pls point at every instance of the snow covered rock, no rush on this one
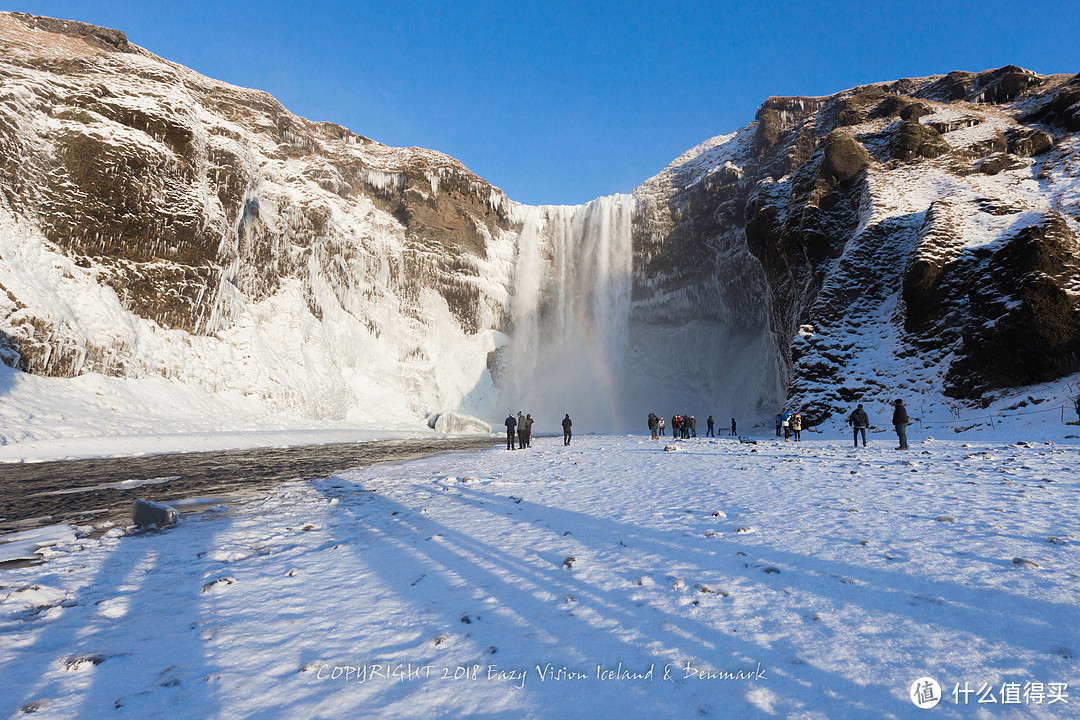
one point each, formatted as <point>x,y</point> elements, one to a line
<point>147,513</point>
<point>452,423</point>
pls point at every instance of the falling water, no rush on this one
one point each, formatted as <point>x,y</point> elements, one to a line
<point>570,314</point>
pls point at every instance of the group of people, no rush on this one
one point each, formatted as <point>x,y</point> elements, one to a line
<point>682,426</point>
<point>859,421</point>
<point>519,428</point>
<point>790,422</point>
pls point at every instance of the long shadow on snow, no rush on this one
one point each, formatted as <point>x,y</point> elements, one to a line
<point>84,640</point>
<point>1016,622</point>
<point>638,624</point>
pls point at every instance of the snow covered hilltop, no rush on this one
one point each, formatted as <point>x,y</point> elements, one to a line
<point>157,226</point>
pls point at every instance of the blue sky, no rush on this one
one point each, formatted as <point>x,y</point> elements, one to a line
<point>561,102</point>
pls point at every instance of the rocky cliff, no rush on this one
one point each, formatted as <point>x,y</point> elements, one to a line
<point>915,237</point>
<point>912,236</point>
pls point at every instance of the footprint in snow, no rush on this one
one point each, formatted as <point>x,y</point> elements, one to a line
<point>1025,563</point>
<point>218,582</point>
<point>34,705</point>
<point>76,663</point>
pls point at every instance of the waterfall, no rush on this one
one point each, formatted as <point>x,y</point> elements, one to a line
<point>569,315</point>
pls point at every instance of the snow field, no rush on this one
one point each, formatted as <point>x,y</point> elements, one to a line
<point>764,580</point>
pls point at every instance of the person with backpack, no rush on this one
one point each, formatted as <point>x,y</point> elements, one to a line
<point>900,422</point>
<point>566,433</point>
<point>859,421</point>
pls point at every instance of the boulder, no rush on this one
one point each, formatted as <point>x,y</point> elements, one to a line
<point>845,157</point>
<point>147,514</point>
<point>915,140</point>
<point>1027,142</point>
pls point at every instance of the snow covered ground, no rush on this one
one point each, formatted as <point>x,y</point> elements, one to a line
<point>605,579</point>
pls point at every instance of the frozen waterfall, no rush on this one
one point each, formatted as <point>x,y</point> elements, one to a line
<point>581,343</point>
<point>569,314</point>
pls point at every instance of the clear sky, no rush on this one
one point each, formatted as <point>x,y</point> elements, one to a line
<point>561,102</point>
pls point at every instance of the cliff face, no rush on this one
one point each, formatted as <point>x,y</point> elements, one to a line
<point>913,237</point>
<point>157,222</point>
<point>910,236</point>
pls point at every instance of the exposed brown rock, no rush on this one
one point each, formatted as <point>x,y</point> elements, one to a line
<point>914,140</point>
<point>844,157</point>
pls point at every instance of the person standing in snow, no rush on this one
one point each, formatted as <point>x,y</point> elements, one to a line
<point>566,425</point>
<point>796,426</point>
<point>661,424</point>
<point>709,421</point>
<point>521,430</point>
<point>653,425</point>
<point>675,427</point>
<point>779,423</point>
<point>693,426</point>
<point>528,430</point>
<point>511,430</point>
<point>734,433</point>
<point>900,422</point>
<point>785,420</point>
<point>859,421</point>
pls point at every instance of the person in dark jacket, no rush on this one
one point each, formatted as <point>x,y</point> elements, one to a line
<point>900,422</point>
<point>734,432</point>
<point>528,430</point>
<point>709,421</point>
<point>654,425</point>
<point>521,430</point>
<point>693,426</point>
<point>779,423</point>
<point>566,425</point>
<point>859,421</point>
<point>511,430</point>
